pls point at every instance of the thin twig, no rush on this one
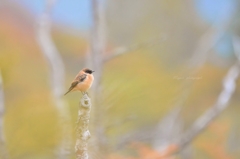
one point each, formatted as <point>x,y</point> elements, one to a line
<point>236,46</point>
<point>123,50</point>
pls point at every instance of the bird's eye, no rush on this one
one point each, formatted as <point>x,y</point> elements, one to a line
<point>88,71</point>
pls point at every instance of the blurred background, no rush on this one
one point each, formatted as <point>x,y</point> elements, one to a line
<point>166,81</point>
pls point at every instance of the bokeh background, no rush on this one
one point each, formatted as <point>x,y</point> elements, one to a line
<point>177,60</point>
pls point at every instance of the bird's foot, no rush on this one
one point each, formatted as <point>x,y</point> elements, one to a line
<point>83,93</point>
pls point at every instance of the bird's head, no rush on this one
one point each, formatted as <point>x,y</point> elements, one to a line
<point>87,70</point>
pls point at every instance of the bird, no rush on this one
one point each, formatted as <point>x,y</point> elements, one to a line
<point>82,82</point>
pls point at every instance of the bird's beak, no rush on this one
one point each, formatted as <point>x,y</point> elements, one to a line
<point>93,71</point>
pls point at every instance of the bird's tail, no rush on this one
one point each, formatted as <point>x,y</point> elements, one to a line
<point>72,86</point>
<point>67,92</point>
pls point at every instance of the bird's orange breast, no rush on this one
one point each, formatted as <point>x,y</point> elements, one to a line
<point>86,84</point>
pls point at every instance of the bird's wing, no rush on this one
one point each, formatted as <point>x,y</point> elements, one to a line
<point>77,80</point>
<point>81,78</point>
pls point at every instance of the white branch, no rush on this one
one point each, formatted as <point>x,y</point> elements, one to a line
<point>229,86</point>
<point>57,76</point>
<point>97,48</point>
<point>95,61</point>
<point>83,134</point>
<point>3,149</point>
<point>98,40</point>
<point>207,41</point>
<point>50,52</point>
<point>200,55</point>
<point>168,130</point>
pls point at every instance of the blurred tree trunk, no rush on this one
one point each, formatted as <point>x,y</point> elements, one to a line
<point>57,75</point>
<point>95,61</point>
<point>3,149</point>
<point>97,47</point>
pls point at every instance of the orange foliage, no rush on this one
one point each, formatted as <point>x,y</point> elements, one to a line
<point>148,153</point>
<point>216,151</point>
<point>216,147</point>
<point>145,152</point>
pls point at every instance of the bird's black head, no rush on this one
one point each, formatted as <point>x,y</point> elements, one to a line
<point>86,70</point>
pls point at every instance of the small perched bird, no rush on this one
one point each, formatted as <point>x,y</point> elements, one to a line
<point>82,82</point>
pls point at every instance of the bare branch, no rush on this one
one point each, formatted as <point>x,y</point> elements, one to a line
<point>207,41</point>
<point>117,52</point>
<point>83,134</point>
<point>57,76</point>
<point>168,130</point>
<point>123,50</point>
<point>50,52</point>
<point>3,149</point>
<point>236,46</point>
<point>229,86</point>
